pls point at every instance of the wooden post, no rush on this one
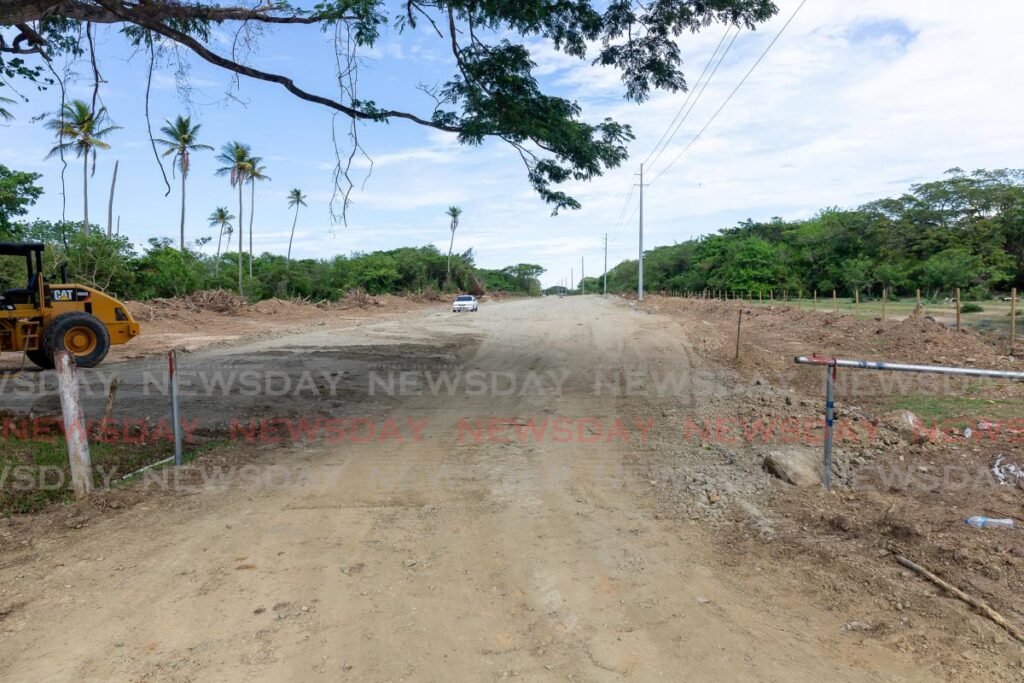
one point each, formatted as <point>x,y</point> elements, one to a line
<point>759,299</point>
<point>739,323</point>
<point>919,297</point>
<point>957,309</point>
<point>835,302</point>
<point>885,297</point>
<point>74,424</point>
<point>856,298</point>
<point>1013,317</point>
<point>800,297</point>
<point>815,300</point>
<point>771,294</point>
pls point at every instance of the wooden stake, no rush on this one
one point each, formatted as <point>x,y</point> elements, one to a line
<point>885,297</point>
<point>856,298</point>
<point>74,424</point>
<point>835,302</point>
<point>815,300</point>
<point>969,599</point>
<point>957,309</point>
<point>1013,317</point>
<point>759,299</point>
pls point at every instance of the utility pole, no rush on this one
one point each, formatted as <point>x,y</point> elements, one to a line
<point>640,263</point>
<point>606,264</point>
<point>572,280</point>
<point>583,278</point>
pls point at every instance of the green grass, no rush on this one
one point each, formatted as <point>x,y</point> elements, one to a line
<point>956,411</point>
<point>36,473</point>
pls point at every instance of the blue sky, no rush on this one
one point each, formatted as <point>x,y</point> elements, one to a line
<point>856,101</point>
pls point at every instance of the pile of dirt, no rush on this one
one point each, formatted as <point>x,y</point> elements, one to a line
<point>212,300</point>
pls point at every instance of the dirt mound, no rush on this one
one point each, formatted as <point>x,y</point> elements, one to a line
<point>213,300</point>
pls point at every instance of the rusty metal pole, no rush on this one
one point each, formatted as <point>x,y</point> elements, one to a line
<point>739,323</point>
<point>172,369</point>
<point>74,424</point>
<point>1013,317</point>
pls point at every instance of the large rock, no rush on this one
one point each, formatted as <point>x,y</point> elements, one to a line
<point>797,467</point>
<point>910,427</point>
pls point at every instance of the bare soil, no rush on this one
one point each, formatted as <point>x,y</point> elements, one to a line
<point>470,544</point>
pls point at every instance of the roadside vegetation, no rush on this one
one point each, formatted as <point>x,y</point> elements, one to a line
<point>168,267</point>
<point>965,230</point>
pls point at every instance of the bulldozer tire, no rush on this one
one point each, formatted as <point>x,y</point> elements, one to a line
<point>80,334</point>
<point>40,358</point>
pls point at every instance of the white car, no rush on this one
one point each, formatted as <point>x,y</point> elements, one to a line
<point>465,302</point>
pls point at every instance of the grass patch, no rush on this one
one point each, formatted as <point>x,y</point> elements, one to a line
<point>957,411</point>
<point>35,473</point>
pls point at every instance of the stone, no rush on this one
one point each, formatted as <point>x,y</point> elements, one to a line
<point>797,467</point>
<point>910,428</point>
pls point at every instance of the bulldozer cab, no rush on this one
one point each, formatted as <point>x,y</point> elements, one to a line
<point>32,292</point>
<point>39,318</point>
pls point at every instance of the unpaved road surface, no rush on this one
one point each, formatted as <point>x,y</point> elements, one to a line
<point>443,554</point>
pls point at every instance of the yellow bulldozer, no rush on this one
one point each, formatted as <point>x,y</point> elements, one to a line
<point>44,318</point>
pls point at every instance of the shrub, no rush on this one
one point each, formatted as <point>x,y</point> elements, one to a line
<point>971,308</point>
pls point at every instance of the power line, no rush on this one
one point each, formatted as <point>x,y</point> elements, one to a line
<point>731,94</point>
<point>622,214</point>
<point>699,89</point>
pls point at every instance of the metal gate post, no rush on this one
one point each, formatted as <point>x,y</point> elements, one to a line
<point>830,400</point>
<point>172,369</point>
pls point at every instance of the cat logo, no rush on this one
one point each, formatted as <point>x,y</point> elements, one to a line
<point>63,294</point>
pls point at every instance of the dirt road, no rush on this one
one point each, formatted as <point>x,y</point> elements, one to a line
<point>474,545</point>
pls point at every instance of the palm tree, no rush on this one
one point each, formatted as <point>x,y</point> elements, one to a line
<point>180,143</point>
<point>295,199</point>
<point>453,213</point>
<point>256,172</point>
<point>5,114</point>
<point>81,130</point>
<point>220,218</point>
<point>235,157</point>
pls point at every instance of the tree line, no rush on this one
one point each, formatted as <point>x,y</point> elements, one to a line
<point>965,230</point>
<point>164,268</point>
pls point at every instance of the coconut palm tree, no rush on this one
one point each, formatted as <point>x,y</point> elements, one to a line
<point>180,143</point>
<point>295,200</point>
<point>81,130</point>
<point>235,157</point>
<point>4,113</point>
<point>220,218</point>
<point>453,213</point>
<point>256,172</point>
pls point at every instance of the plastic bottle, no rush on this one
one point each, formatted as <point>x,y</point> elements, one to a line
<point>979,522</point>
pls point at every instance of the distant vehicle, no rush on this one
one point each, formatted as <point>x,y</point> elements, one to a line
<point>465,302</point>
<point>1008,298</point>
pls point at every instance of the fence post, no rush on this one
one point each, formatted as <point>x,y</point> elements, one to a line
<point>1013,317</point>
<point>74,424</point>
<point>815,300</point>
<point>835,302</point>
<point>885,298</point>
<point>172,370</point>
<point>856,299</point>
<point>957,309</point>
